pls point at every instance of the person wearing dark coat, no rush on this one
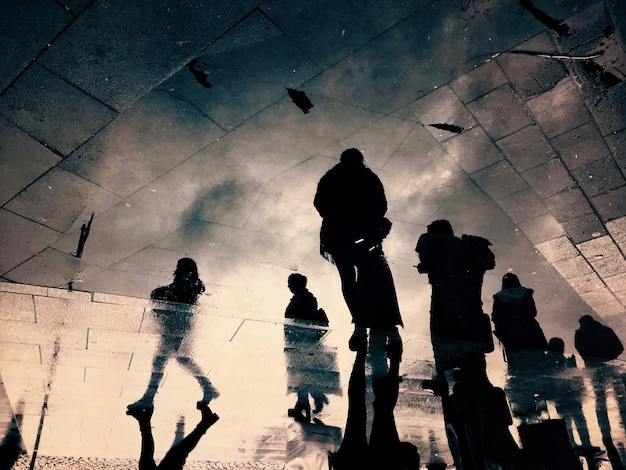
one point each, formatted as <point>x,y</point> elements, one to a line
<point>514,317</point>
<point>455,267</point>
<point>303,304</point>
<point>351,200</point>
<point>595,341</point>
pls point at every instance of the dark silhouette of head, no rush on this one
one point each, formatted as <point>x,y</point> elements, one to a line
<point>186,269</point>
<point>296,282</point>
<point>510,280</point>
<point>352,157</point>
<point>556,345</point>
<point>440,227</point>
<point>586,320</point>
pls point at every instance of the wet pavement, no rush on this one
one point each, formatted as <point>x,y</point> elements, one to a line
<point>173,126</point>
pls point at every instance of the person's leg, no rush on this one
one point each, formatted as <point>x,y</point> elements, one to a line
<point>353,448</point>
<point>147,400</point>
<point>176,457</point>
<point>347,275</point>
<point>208,390</point>
<point>143,417</point>
<point>384,434</point>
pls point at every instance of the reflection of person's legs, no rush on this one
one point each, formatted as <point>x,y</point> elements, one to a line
<point>353,447</point>
<point>384,434</point>
<point>175,457</point>
<point>386,450</point>
<point>208,389</point>
<point>158,365</point>
<point>143,417</point>
<point>302,411</point>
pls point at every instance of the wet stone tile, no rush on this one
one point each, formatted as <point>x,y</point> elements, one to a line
<point>584,228</point>
<point>526,148</point>
<point>568,204</point>
<point>499,180</point>
<point>586,283</point>
<point>617,229</point>
<point>441,106</point>
<point>558,249</point>
<point>599,177</point>
<point>609,108</point>
<point>580,146</point>
<point>617,145</point>
<point>479,82</point>
<point>500,112</point>
<point>549,178</point>
<point>611,205</point>
<point>523,205</point>
<point>473,150</point>
<point>532,75</point>
<point>560,109</point>
<point>573,267</point>
<point>53,111</point>
<point>542,228</point>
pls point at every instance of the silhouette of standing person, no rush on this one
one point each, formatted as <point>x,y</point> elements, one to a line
<point>514,317</point>
<point>311,365</point>
<point>176,457</point>
<point>173,308</point>
<point>351,200</point>
<point>303,304</point>
<point>455,268</point>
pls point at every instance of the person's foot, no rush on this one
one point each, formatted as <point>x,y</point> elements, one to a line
<point>141,404</point>
<point>300,413</point>
<point>142,415</point>
<point>210,393</point>
<point>208,417</point>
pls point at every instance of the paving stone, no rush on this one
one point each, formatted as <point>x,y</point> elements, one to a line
<point>604,255</point>
<point>441,106</point>
<point>559,249</point>
<point>549,178</point>
<point>542,228</point>
<point>526,148</point>
<point>573,267</point>
<point>499,180</point>
<point>479,81</point>
<point>584,228</point>
<point>473,150</point>
<point>599,177</point>
<point>19,49</point>
<point>609,109</point>
<point>500,112</point>
<point>587,283</point>
<point>617,229</point>
<point>523,205</point>
<point>568,204</point>
<point>53,111</point>
<point>611,205</point>
<point>532,75</point>
<point>17,147</point>
<point>560,109</point>
<point>617,144</point>
<point>580,146</point>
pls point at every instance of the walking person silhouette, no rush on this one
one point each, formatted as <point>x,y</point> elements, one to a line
<point>174,309</point>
